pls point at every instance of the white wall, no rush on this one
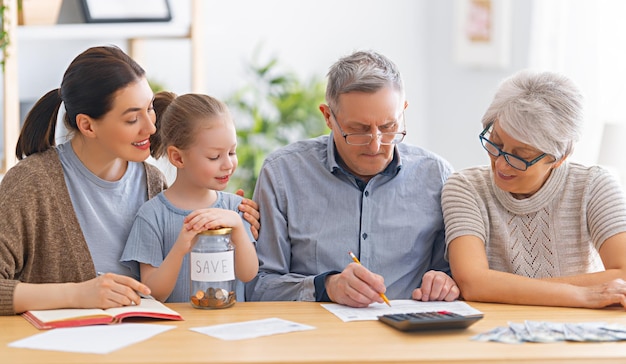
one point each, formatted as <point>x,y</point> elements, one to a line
<point>458,95</point>
<point>446,101</point>
<point>308,36</point>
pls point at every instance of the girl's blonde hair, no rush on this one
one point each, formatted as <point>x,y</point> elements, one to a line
<point>180,117</point>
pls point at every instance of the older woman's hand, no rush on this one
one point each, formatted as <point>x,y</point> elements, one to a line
<point>606,294</point>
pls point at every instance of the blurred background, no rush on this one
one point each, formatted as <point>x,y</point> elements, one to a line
<point>264,57</point>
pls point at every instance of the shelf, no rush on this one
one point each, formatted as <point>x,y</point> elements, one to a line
<point>103,31</point>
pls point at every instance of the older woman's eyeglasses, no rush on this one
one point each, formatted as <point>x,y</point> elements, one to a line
<point>386,138</point>
<point>514,161</point>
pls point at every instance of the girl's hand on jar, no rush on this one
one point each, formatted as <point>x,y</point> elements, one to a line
<point>210,219</point>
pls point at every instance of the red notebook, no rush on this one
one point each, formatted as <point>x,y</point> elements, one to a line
<point>69,317</point>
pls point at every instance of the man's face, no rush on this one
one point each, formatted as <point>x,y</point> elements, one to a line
<point>366,113</point>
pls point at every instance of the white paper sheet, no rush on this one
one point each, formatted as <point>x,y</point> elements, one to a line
<point>251,329</point>
<point>374,310</point>
<point>97,339</point>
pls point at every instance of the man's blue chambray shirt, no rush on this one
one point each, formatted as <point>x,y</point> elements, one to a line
<point>313,212</point>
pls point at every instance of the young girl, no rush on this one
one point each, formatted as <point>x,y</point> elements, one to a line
<point>197,134</point>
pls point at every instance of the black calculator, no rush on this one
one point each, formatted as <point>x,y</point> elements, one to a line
<point>439,320</point>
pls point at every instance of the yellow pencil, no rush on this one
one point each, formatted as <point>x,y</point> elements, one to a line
<point>382,295</point>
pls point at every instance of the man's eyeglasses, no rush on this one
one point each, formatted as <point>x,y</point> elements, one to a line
<point>387,138</point>
<point>514,161</point>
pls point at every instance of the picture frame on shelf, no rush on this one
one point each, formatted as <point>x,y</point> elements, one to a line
<point>118,11</point>
<point>483,33</point>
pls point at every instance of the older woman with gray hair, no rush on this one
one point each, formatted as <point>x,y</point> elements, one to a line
<point>533,228</point>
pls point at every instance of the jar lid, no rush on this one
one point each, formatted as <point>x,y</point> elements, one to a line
<point>221,231</point>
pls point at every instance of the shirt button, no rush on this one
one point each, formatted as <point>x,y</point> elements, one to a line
<point>367,193</point>
<point>364,236</point>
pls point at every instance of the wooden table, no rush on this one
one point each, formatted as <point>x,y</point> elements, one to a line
<point>334,341</point>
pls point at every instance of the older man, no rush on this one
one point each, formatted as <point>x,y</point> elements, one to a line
<point>358,189</point>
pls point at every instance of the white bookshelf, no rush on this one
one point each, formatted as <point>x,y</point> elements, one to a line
<point>102,31</point>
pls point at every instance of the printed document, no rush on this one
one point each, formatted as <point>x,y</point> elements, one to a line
<point>374,310</point>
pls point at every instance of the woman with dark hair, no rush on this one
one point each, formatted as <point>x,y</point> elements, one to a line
<point>66,210</point>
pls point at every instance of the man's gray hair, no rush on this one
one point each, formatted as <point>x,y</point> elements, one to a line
<point>362,71</point>
<point>541,109</point>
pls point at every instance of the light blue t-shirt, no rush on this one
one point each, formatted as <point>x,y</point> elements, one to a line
<point>155,231</point>
<point>105,209</point>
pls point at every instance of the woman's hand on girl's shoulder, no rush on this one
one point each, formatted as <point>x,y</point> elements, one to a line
<point>251,213</point>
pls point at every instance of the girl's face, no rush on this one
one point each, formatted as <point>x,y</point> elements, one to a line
<point>125,130</point>
<point>211,159</point>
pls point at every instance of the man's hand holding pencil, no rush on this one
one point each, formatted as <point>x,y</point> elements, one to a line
<point>356,286</point>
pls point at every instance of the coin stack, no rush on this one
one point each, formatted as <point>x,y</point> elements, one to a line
<point>213,298</point>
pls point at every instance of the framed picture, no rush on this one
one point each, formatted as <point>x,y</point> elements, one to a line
<point>114,11</point>
<point>483,33</point>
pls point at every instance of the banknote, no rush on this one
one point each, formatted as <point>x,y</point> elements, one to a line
<point>548,332</point>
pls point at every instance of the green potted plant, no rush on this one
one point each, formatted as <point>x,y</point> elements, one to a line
<point>274,109</point>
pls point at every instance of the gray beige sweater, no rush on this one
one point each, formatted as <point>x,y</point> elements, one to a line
<point>556,232</point>
<point>40,238</point>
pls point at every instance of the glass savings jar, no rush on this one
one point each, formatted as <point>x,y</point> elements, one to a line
<point>212,261</point>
